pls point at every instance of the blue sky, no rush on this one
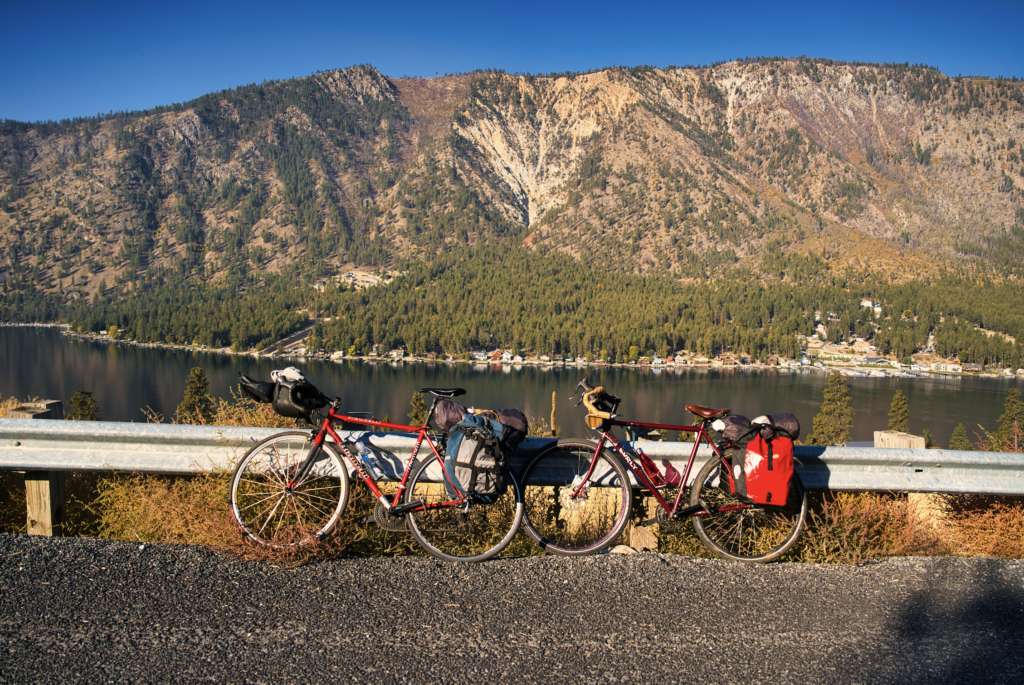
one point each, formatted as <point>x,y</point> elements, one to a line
<point>62,60</point>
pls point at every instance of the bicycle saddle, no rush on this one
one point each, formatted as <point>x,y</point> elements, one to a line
<point>706,412</point>
<point>444,392</point>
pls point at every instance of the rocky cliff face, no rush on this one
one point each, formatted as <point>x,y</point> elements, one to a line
<point>681,171</point>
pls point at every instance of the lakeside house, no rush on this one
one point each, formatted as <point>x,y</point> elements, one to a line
<point>947,367</point>
<point>970,367</point>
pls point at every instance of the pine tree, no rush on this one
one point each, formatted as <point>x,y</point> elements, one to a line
<point>832,424</point>
<point>929,439</point>
<point>1010,434</point>
<point>899,413</point>
<point>419,410</point>
<point>959,439</point>
<point>196,406</point>
<point>84,407</point>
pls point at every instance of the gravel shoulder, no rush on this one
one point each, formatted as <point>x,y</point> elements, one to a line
<point>84,610</point>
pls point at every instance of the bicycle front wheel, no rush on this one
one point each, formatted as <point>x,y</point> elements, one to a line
<point>456,530</point>
<point>276,512</point>
<point>757,533</point>
<point>593,519</point>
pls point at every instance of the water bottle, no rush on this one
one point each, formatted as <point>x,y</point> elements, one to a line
<point>369,460</point>
<point>650,469</point>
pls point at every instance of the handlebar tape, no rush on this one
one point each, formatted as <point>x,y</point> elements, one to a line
<point>588,401</point>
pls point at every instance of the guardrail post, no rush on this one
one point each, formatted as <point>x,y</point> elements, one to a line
<point>929,506</point>
<point>44,497</point>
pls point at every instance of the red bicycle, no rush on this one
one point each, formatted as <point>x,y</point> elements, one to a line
<point>579,495</point>
<point>292,488</point>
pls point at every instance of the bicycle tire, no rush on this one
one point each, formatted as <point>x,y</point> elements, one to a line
<point>460,533</point>
<point>759,533</point>
<point>270,513</point>
<point>589,524</point>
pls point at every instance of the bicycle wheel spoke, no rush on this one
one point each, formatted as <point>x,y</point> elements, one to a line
<point>750,533</point>
<point>573,515</point>
<point>275,515</point>
<point>457,532</point>
<point>254,504</point>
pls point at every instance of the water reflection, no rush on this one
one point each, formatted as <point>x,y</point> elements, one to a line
<point>41,363</point>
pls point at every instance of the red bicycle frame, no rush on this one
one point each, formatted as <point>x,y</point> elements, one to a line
<point>702,434</point>
<point>326,429</point>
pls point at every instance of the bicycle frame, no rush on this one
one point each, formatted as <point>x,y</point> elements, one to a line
<point>422,435</point>
<point>608,438</point>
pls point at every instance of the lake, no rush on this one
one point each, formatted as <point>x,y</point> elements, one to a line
<point>40,362</point>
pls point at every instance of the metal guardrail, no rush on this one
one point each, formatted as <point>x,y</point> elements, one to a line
<point>27,445</point>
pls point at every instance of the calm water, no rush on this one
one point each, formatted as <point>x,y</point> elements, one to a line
<point>42,363</point>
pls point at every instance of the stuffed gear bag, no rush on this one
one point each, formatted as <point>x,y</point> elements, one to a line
<point>475,458</point>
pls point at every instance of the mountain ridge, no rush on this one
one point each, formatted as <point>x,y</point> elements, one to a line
<point>682,172</point>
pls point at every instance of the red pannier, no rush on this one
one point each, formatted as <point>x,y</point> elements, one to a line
<point>766,450</point>
<point>767,470</point>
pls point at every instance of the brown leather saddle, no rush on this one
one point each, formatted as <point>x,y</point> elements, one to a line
<point>706,412</point>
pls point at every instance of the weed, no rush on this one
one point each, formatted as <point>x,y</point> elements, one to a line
<point>850,528</point>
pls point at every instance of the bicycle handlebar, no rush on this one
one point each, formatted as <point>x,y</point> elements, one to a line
<point>591,395</point>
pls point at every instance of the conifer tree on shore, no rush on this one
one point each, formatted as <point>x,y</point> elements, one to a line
<point>832,424</point>
<point>899,413</point>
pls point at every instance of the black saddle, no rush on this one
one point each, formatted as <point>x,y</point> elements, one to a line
<point>444,392</point>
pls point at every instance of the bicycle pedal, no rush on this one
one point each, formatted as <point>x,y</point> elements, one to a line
<point>648,522</point>
<point>367,520</point>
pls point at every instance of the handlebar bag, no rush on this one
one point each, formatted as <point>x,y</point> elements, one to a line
<point>475,460</point>
<point>258,391</point>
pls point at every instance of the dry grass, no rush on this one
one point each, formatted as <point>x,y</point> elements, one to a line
<point>851,528</point>
<point>195,511</point>
<point>992,527</point>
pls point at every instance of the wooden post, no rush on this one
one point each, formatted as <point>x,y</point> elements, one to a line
<point>44,497</point>
<point>929,506</point>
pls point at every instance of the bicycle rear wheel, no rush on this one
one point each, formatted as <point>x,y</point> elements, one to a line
<point>276,515</point>
<point>573,526</point>
<point>757,533</point>
<point>456,530</point>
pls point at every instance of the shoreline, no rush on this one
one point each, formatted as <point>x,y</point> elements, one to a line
<point>870,371</point>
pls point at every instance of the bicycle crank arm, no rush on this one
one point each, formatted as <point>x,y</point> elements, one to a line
<point>690,511</point>
<point>405,508</point>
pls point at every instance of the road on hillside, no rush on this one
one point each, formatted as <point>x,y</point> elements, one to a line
<point>86,611</point>
<point>295,337</point>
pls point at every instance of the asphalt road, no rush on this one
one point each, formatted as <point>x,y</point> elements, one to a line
<point>79,610</point>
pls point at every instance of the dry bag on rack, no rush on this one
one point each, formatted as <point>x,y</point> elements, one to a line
<point>447,414</point>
